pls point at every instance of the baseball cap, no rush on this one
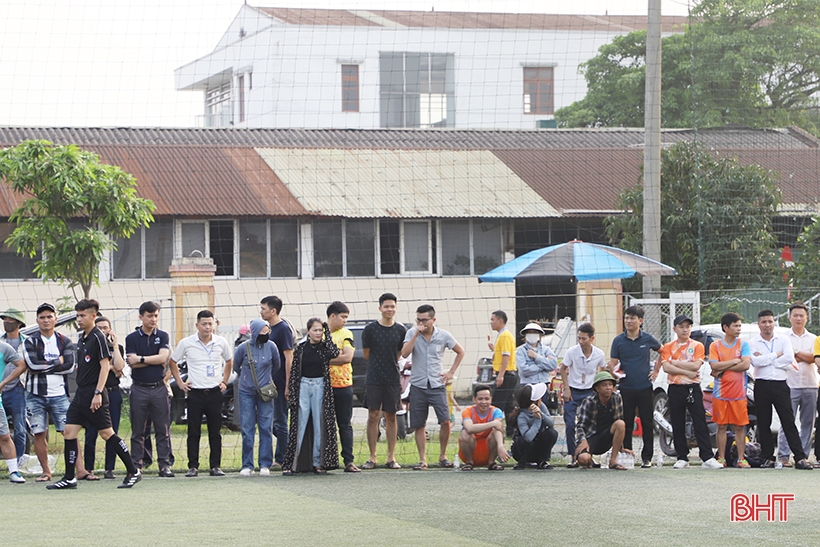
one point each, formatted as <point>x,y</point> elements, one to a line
<point>682,319</point>
<point>46,306</point>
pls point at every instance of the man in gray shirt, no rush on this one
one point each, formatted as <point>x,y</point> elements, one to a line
<point>427,382</point>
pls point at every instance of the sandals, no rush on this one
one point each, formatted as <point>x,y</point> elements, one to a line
<point>392,465</point>
<point>495,466</point>
<point>421,466</point>
<point>369,464</point>
<point>43,478</point>
<point>545,465</point>
<point>445,463</point>
<point>89,477</point>
<point>617,467</point>
<point>467,467</point>
<point>320,471</point>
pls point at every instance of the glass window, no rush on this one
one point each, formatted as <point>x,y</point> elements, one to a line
<point>417,89</point>
<point>416,246</point>
<point>159,248</point>
<point>455,247</point>
<point>127,258</point>
<point>538,94</point>
<point>193,238</point>
<point>253,248</point>
<point>361,247</point>
<point>221,243</point>
<point>284,246</point>
<point>487,245</point>
<point>327,248</point>
<point>13,265</point>
<point>390,243</point>
<point>350,88</point>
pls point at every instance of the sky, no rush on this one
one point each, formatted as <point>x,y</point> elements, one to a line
<point>93,63</point>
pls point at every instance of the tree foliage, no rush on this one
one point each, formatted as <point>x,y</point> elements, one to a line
<point>740,62</point>
<point>75,206</point>
<point>806,271</point>
<point>715,220</point>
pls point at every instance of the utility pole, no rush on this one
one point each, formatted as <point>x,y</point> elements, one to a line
<point>652,148</point>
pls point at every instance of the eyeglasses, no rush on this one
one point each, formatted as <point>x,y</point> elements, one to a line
<point>424,320</point>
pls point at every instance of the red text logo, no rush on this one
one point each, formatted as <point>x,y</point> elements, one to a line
<point>775,507</point>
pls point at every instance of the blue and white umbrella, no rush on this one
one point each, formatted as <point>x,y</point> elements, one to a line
<point>576,261</point>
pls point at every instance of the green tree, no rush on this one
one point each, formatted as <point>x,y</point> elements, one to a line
<point>75,206</point>
<point>806,271</point>
<point>740,62</point>
<point>716,216</point>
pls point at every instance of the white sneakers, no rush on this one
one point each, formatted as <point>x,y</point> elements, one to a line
<point>681,464</point>
<point>246,472</point>
<point>16,478</point>
<point>264,471</point>
<point>712,463</point>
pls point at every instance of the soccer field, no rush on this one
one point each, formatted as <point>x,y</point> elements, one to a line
<point>434,507</point>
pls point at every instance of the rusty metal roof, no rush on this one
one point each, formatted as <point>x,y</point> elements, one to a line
<point>405,184</point>
<point>468,20</point>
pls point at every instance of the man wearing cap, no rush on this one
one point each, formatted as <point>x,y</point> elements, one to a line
<point>482,432</point>
<point>578,369</point>
<point>536,429</point>
<point>504,367</point>
<point>50,359</point>
<point>682,359</point>
<point>535,360</point>
<point>631,351</point>
<point>14,394</point>
<point>600,426</point>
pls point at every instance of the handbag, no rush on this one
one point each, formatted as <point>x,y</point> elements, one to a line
<point>267,392</point>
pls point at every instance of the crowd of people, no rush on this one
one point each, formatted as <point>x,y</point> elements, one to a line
<point>298,395</point>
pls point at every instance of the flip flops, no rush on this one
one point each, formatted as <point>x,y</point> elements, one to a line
<point>495,466</point>
<point>89,477</point>
<point>421,466</point>
<point>617,467</point>
<point>467,467</point>
<point>392,465</point>
<point>43,478</point>
<point>445,463</point>
<point>369,464</point>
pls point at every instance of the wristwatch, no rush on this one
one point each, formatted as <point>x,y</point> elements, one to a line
<point>142,359</point>
<point>97,392</point>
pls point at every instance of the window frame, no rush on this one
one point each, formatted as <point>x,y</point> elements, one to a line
<point>207,229</point>
<point>348,83</point>
<point>526,102</point>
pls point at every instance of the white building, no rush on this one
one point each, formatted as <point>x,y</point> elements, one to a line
<point>308,68</point>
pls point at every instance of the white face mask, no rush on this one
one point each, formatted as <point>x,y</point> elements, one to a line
<point>532,337</point>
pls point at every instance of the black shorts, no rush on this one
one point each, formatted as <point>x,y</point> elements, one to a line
<point>601,441</point>
<point>383,397</point>
<point>79,411</point>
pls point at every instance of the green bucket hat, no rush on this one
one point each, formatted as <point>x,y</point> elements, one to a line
<point>602,377</point>
<point>13,313</point>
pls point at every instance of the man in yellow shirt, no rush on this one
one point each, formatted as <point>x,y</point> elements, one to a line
<point>341,379</point>
<point>504,369</point>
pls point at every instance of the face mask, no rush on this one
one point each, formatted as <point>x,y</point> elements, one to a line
<point>532,338</point>
<point>262,338</point>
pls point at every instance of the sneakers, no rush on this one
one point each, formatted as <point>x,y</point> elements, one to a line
<point>131,479</point>
<point>246,472</point>
<point>264,471</point>
<point>712,463</point>
<point>217,472</point>
<point>166,472</point>
<point>63,484</point>
<point>16,478</point>
<point>192,472</point>
<point>743,464</point>
<point>647,464</point>
<point>109,475</point>
<point>276,466</point>
<point>681,464</point>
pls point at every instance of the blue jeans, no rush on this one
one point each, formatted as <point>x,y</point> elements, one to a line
<point>570,407</point>
<point>311,393</point>
<point>14,401</point>
<point>280,425</point>
<point>252,412</point>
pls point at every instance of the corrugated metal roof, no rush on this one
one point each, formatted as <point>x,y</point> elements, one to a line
<point>195,181</point>
<point>407,139</point>
<point>405,183</point>
<point>469,20</point>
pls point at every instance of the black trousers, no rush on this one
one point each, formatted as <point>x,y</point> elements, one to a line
<point>208,403</point>
<point>343,399</point>
<point>640,399</point>
<point>537,451</point>
<point>683,398</point>
<point>504,398</point>
<point>776,393</point>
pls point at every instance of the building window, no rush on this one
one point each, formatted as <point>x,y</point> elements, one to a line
<point>407,247</point>
<point>13,265</point>
<point>241,82</point>
<point>328,254</point>
<point>218,106</point>
<point>253,248</point>
<point>538,92</point>
<point>417,89</point>
<point>212,238</point>
<point>350,88</point>
<point>145,255</point>
<point>344,248</point>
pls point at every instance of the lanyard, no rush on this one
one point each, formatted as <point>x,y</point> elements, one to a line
<point>206,347</point>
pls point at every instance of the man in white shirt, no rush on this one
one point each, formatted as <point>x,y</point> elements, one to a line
<point>772,355</point>
<point>578,369</point>
<point>209,358</point>
<point>802,380</point>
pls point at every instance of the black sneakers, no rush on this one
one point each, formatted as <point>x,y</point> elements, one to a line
<point>130,480</point>
<point>217,472</point>
<point>63,484</point>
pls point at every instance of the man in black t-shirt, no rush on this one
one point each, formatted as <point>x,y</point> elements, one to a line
<point>281,334</point>
<point>382,341</point>
<point>90,404</point>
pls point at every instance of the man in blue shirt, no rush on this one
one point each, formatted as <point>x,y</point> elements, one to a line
<point>632,350</point>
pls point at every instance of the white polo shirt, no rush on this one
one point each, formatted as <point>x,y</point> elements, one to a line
<point>581,370</point>
<point>206,362</point>
<point>805,376</point>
